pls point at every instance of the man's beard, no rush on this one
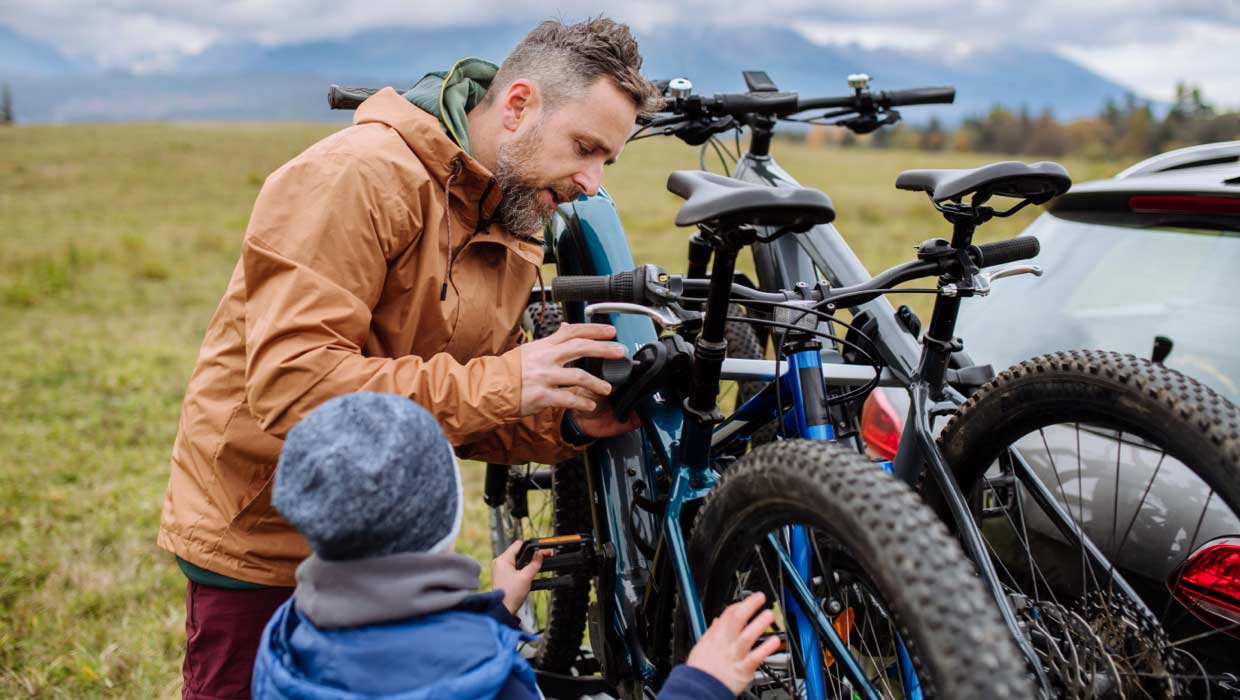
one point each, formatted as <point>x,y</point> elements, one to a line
<point>523,211</point>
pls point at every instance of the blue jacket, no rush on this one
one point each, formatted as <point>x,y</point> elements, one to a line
<point>407,627</point>
<point>464,652</point>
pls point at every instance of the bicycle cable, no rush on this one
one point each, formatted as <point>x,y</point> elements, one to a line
<point>846,396</point>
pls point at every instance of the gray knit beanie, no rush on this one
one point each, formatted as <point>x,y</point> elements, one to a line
<point>367,474</point>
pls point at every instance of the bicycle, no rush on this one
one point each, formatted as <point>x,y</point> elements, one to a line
<point>811,497</point>
<point>633,603</point>
<point>1188,432</point>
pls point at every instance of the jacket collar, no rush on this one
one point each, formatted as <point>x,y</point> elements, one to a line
<point>473,185</point>
<point>334,594</point>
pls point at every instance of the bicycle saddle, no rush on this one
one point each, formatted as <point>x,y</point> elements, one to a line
<point>714,197</point>
<point>1010,178</point>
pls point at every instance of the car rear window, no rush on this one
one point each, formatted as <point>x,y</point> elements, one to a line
<point>1116,288</point>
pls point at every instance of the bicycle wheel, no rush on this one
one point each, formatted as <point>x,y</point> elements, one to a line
<point>1146,462</point>
<point>894,584</point>
<point>542,502</point>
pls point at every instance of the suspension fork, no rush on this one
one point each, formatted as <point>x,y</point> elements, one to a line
<point>809,410</point>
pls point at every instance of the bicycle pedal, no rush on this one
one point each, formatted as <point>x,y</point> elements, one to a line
<point>549,583</point>
<point>569,551</point>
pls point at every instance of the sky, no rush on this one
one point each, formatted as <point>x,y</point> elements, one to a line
<point>1147,45</point>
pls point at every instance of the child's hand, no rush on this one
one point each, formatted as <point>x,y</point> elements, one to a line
<point>514,582</point>
<point>726,651</point>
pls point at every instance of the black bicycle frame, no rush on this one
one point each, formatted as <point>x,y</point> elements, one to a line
<point>921,370</point>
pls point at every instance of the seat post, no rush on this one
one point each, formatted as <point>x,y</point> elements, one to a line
<point>711,345</point>
<point>963,227</point>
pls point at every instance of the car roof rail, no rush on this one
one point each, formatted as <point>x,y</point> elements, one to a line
<point>1182,158</point>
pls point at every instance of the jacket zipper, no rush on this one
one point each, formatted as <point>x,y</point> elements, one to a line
<point>457,166</point>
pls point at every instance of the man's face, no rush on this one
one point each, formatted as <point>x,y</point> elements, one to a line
<point>555,156</point>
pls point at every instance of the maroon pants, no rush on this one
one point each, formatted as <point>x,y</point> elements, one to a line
<point>222,630</point>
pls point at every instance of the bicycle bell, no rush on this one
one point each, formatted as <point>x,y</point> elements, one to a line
<point>679,88</point>
<point>858,81</point>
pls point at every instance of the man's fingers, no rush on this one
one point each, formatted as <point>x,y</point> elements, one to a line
<point>570,376</point>
<point>583,347</point>
<point>595,331</point>
<point>563,398</point>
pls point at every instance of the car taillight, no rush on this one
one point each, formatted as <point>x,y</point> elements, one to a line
<point>1208,584</point>
<point>880,427</point>
<point>1183,204</point>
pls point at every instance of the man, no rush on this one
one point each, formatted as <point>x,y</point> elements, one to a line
<point>395,256</point>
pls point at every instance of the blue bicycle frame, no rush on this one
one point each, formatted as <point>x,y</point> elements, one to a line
<point>588,239</point>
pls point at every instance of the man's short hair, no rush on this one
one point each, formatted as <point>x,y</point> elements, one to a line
<point>566,59</point>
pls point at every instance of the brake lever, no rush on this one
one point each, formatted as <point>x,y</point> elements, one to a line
<point>1012,272</point>
<point>982,280</point>
<point>666,319</point>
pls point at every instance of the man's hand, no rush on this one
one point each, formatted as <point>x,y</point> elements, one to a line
<point>547,383</point>
<point>601,422</point>
<point>514,582</point>
<point>727,650</point>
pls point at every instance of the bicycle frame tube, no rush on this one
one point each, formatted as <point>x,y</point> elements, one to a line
<point>589,240</point>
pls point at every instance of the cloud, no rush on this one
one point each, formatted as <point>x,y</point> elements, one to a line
<point>1138,42</point>
<point>1199,53</point>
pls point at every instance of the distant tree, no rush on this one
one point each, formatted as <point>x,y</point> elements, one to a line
<point>816,137</point>
<point>1123,130</point>
<point>1025,120</point>
<point>1047,137</point>
<point>1090,138</point>
<point>1111,114</point>
<point>1007,132</point>
<point>933,138</point>
<point>1139,137</point>
<point>6,105</point>
<point>966,138</point>
<point>1189,103</point>
<point>883,137</point>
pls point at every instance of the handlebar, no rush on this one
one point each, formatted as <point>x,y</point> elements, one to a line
<point>783,104</point>
<point>645,285</point>
<point>882,98</point>
<point>348,97</point>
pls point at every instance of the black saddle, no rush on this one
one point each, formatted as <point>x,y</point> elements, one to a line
<point>732,202</point>
<point>1038,182</point>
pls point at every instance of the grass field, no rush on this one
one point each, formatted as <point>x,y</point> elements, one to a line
<point>115,244</point>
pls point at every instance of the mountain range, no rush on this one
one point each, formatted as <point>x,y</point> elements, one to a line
<point>246,80</point>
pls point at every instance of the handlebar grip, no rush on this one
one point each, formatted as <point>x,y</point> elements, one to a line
<point>348,97</point>
<point>917,96</point>
<point>1010,250</point>
<point>776,103</point>
<point>618,287</point>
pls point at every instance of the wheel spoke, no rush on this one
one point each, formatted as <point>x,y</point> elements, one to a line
<point>1136,512</point>
<point>1192,542</point>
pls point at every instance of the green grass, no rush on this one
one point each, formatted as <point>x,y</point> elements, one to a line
<point>115,245</point>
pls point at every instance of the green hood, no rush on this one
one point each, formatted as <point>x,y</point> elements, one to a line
<point>450,95</point>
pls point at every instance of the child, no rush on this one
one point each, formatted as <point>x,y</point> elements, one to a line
<point>385,609</point>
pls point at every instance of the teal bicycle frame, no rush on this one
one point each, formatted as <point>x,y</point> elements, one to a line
<point>587,238</point>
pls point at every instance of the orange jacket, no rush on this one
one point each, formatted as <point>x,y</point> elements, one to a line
<point>338,290</point>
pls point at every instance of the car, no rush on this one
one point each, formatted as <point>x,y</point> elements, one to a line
<point>1147,263</point>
